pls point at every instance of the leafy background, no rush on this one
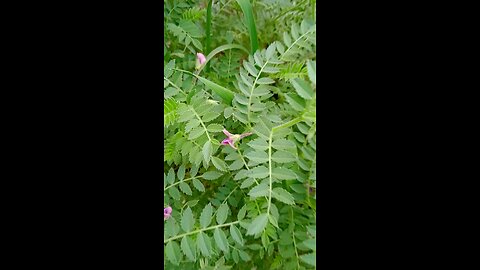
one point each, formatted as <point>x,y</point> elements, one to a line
<point>254,207</point>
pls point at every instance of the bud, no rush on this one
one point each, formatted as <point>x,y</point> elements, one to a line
<point>200,60</point>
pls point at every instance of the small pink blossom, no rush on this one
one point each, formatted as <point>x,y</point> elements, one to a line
<point>200,60</point>
<point>167,212</point>
<point>233,138</point>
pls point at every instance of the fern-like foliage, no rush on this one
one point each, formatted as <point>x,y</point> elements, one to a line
<point>299,44</point>
<point>256,77</point>
<point>291,71</point>
<point>253,206</point>
<point>254,86</point>
<point>169,112</point>
<point>188,33</point>
<point>193,13</point>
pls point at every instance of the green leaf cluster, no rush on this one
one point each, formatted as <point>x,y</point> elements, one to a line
<point>252,207</point>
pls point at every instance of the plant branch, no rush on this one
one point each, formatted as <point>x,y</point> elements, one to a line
<point>184,180</point>
<point>201,230</point>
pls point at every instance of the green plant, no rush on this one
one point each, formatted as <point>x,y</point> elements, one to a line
<point>240,202</point>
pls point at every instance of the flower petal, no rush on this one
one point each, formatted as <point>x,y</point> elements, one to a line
<point>201,58</point>
<point>226,141</point>
<point>231,144</point>
<point>227,133</point>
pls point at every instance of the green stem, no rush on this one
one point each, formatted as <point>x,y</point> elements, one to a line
<point>270,138</point>
<point>251,92</point>
<point>308,178</point>
<point>184,180</point>
<point>313,9</point>
<point>294,242</point>
<point>248,169</point>
<point>184,71</point>
<point>201,230</point>
<point>246,196</point>
<point>295,42</point>
<point>201,122</point>
<point>288,124</point>
<point>245,163</point>
<point>233,247</point>
<point>174,85</point>
<point>225,199</point>
<point>270,171</point>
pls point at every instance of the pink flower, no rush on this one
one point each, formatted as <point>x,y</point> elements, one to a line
<point>167,212</point>
<point>200,60</point>
<point>232,138</point>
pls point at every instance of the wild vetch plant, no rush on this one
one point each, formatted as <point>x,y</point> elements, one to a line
<point>239,134</point>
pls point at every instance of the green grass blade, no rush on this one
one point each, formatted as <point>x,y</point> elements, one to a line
<point>208,31</point>
<point>252,29</point>
<point>221,49</point>
<point>223,92</point>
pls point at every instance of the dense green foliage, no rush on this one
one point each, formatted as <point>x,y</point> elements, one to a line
<point>252,207</point>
